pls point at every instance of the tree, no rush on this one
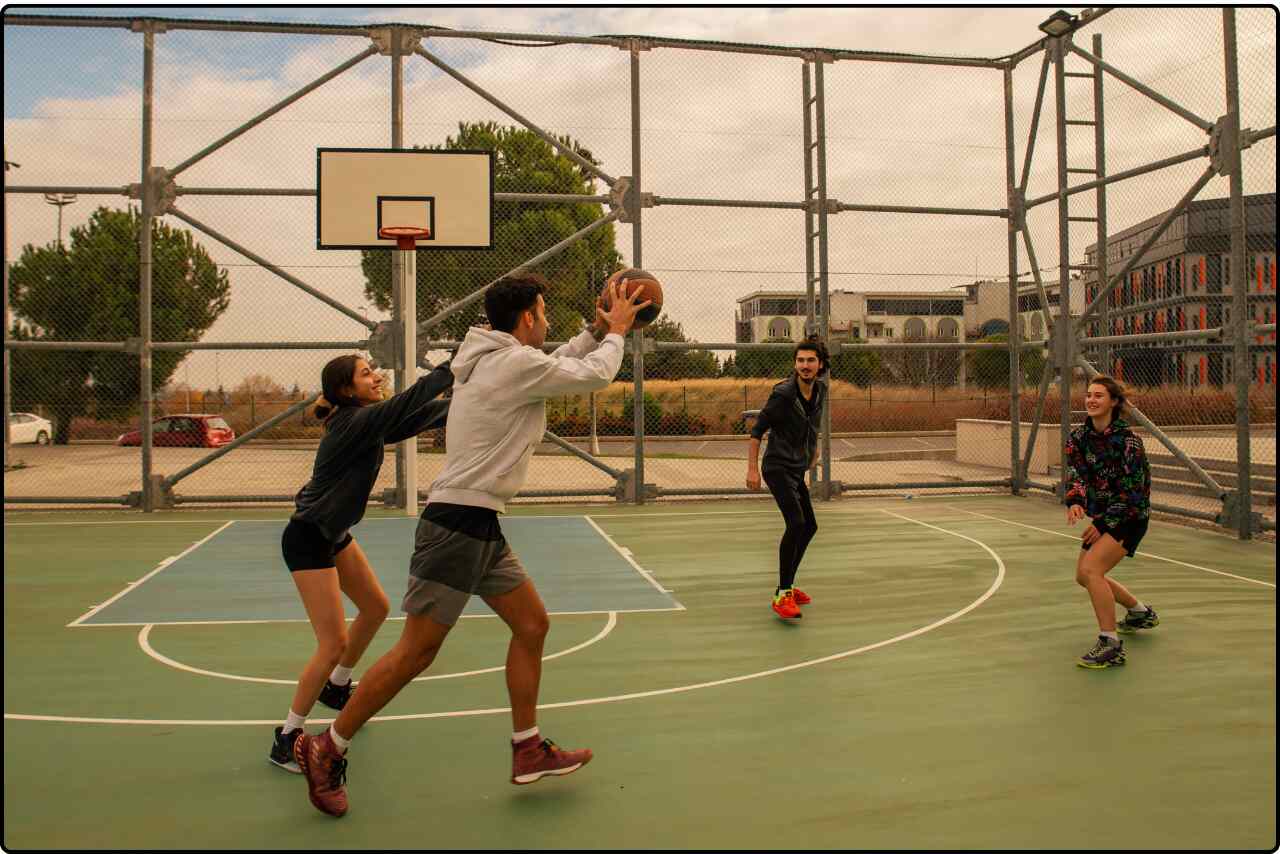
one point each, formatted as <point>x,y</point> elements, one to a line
<point>670,364</point>
<point>257,386</point>
<point>523,163</point>
<point>762,363</point>
<point>89,292</point>
<point>859,367</point>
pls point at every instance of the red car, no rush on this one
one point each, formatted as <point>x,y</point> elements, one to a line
<point>186,430</point>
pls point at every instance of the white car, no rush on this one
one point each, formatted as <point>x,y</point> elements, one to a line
<point>25,427</point>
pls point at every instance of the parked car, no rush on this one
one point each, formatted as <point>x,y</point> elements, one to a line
<point>185,430</point>
<point>25,427</point>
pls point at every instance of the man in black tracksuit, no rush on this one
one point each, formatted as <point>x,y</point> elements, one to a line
<point>792,416</point>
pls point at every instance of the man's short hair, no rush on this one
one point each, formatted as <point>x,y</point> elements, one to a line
<point>814,345</point>
<point>504,302</point>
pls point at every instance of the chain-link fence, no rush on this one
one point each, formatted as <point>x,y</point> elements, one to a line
<point>907,208</point>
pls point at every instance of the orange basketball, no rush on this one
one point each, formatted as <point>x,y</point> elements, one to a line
<point>650,289</point>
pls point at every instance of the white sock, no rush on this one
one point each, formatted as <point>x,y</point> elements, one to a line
<point>294,721</point>
<point>1111,636</point>
<point>1138,608</point>
<point>517,737</point>
<point>340,675</point>
<point>341,742</point>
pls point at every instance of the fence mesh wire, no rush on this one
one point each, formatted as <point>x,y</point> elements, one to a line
<point>733,275</point>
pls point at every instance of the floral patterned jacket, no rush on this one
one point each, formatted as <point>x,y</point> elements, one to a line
<point>1108,475</point>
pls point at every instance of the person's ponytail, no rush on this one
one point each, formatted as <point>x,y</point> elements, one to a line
<point>323,409</point>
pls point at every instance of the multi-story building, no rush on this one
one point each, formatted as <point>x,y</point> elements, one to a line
<point>855,316</point>
<point>986,307</point>
<point>1183,282</point>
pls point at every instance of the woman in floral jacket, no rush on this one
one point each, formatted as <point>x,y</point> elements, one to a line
<point>1109,480</point>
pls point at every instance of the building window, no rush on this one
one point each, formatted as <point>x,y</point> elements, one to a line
<point>779,327</point>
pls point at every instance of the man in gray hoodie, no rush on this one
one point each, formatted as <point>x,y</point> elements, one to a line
<point>496,420</point>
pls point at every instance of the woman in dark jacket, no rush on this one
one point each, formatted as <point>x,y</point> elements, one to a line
<point>323,558</point>
<point>1109,480</point>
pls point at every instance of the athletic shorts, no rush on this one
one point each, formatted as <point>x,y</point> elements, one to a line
<point>449,567</point>
<point>1128,535</point>
<point>306,547</point>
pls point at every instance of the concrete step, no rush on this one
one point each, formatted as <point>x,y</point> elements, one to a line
<point>1158,454</point>
<point>1229,480</point>
<point>1182,483</point>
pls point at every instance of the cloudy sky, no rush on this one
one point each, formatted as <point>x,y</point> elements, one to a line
<point>714,125</point>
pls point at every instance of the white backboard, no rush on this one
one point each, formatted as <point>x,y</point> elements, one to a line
<point>359,190</point>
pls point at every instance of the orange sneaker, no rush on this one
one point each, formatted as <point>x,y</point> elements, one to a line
<point>784,605</point>
<point>802,598</point>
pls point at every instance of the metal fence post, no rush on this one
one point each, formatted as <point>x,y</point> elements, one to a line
<point>1066,359</point>
<point>1013,195</point>
<point>404,295</point>
<point>1240,318</point>
<point>144,264</point>
<point>1100,206</point>
<point>637,337</point>
<point>8,393</point>
<point>824,317</point>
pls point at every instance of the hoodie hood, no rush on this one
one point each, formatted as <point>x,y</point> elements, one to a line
<point>479,343</point>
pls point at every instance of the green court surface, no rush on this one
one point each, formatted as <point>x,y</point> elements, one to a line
<point>928,699</point>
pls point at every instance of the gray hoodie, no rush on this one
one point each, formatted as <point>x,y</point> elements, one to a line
<point>498,413</point>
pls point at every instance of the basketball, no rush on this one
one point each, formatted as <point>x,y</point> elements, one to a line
<point>650,289</point>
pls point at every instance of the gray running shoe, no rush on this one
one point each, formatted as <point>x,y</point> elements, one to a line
<point>1105,653</point>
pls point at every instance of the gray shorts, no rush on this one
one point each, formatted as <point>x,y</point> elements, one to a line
<point>449,567</point>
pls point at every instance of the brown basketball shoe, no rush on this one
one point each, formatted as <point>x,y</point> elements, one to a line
<point>326,771</point>
<point>536,757</point>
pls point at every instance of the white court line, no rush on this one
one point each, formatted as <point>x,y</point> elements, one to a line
<point>990,591</point>
<point>1140,553</point>
<point>134,584</point>
<point>122,522</point>
<point>144,641</point>
<point>136,625</point>
<point>626,555</point>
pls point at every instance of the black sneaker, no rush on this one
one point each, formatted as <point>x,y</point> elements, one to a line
<point>336,696</point>
<point>1105,653</point>
<point>1132,622</point>
<point>282,750</point>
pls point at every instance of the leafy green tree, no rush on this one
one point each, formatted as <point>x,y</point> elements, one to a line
<point>859,367</point>
<point>990,368</point>
<point>762,363</point>
<point>89,292</point>
<point>670,364</point>
<point>523,163</point>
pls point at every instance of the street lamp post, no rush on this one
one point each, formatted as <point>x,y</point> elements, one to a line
<point>60,201</point>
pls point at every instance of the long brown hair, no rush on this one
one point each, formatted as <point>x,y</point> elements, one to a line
<point>338,374</point>
<point>1114,389</point>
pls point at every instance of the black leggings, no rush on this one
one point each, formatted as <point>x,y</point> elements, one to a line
<point>792,495</point>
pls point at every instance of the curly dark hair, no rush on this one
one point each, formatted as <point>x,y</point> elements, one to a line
<point>504,302</point>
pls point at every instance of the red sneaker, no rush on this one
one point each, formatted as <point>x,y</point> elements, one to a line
<point>326,771</point>
<point>536,757</point>
<point>801,597</point>
<point>784,605</point>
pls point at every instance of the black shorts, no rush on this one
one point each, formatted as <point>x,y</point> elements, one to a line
<point>1127,535</point>
<point>306,547</point>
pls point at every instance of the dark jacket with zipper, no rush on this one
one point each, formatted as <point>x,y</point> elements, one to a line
<point>351,450</point>
<point>793,426</point>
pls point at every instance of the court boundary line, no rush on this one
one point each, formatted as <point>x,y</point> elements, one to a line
<point>399,619</point>
<point>133,585</point>
<point>627,556</point>
<point>144,641</point>
<point>987,594</point>
<point>1139,553</point>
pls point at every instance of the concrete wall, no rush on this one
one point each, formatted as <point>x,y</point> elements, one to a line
<point>986,443</point>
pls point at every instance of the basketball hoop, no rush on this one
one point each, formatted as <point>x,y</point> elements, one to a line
<point>405,236</point>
